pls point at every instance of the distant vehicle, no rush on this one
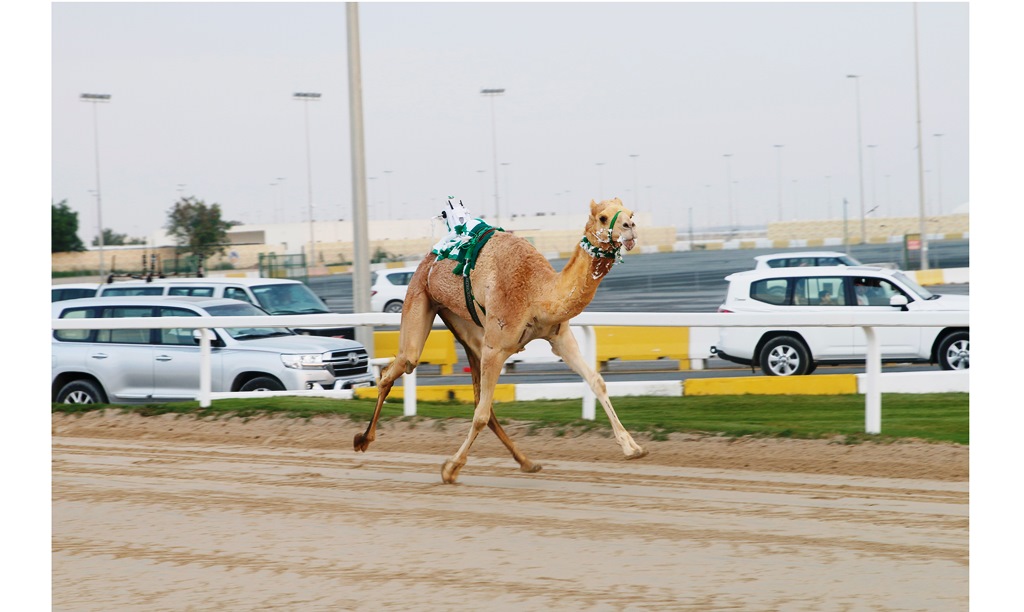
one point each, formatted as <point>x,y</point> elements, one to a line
<point>799,350</point>
<point>805,258</point>
<point>73,291</point>
<point>388,291</point>
<point>278,296</point>
<point>125,366</point>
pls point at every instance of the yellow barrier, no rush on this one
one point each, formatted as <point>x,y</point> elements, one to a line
<point>643,343</point>
<point>441,393</point>
<point>929,277</point>
<point>822,384</point>
<point>438,350</point>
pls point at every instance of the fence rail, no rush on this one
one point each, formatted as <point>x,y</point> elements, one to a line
<point>587,321</point>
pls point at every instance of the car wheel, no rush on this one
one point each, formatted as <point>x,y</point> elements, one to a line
<point>395,306</point>
<point>262,383</point>
<point>785,356</point>
<point>81,392</point>
<point>955,351</point>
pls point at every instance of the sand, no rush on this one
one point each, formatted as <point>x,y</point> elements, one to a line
<point>177,513</point>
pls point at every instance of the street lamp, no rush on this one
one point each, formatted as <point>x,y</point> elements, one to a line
<point>493,93</point>
<point>938,168</point>
<point>636,190</point>
<point>306,98</point>
<point>860,159</point>
<point>97,99</point>
<point>871,162</point>
<point>778,149</point>
<point>728,190</point>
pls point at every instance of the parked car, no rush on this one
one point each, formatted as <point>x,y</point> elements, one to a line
<point>388,291</point>
<point>156,365</point>
<point>73,291</point>
<point>804,259</point>
<point>799,350</point>
<point>278,296</point>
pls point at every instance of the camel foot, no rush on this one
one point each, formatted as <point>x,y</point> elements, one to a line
<point>361,443</point>
<point>530,467</point>
<point>450,471</point>
<point>637,453</point>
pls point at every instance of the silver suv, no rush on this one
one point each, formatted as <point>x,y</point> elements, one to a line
<point>125,366</point>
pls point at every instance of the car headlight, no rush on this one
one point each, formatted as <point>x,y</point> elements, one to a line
<point>304,362</point>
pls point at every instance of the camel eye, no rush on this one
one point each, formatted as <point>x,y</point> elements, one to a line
<point>603,218</point>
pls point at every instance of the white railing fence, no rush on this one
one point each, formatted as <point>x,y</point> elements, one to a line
<point>867,321</point>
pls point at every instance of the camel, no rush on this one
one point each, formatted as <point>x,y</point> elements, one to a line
<point>516,297</point>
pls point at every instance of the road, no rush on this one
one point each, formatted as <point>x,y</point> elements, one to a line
<point>668,282</point>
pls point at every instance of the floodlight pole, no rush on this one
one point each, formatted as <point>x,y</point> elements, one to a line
<point>307,97</point>
<point>95,99</point>
<point>493,93</point>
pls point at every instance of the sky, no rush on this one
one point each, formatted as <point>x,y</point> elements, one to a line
<point>676,108</point>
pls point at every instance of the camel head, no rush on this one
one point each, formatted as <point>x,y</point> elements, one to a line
<point>611,225</point>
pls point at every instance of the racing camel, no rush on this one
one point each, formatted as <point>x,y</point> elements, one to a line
<point>496,293</point>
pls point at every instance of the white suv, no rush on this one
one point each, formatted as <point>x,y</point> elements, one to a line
<point>125,366</point>
<point>388,291</point>
<point>798,350</point>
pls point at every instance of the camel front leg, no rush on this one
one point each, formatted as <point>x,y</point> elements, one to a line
<point>565,346</point>
<point>490,366</point>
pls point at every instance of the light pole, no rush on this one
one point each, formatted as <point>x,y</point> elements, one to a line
<point>508,188</point>
<point>871,163</point>
<point>728,190</point>
<point>778,149</point>
<point>600,180</point>
<point>97,99</point>
<point>938,168</point>
<point>920,151</point>
<point>493,93</point>
<point>306,98</point>
<point>387,186</point>
<point>636,190</point>
<point>860,159</point>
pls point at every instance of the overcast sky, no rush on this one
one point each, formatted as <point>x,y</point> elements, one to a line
<point>202,105</point>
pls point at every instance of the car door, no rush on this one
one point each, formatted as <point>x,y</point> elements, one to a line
<point>813,294</point>
<point>871,293</point>
<point>122,359</point>
<point>176,360</point>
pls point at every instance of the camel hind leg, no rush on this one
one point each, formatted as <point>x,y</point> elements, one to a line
<point>466,332</point>
<point>565,346</point>
<point>417,318</point>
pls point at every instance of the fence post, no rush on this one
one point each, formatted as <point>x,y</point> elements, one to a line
<point>872,393</point>
<point>409,394</point>
<point>590,356</point>
<point>204,367</point>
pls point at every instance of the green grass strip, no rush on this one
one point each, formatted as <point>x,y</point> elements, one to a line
<point>935,417</point>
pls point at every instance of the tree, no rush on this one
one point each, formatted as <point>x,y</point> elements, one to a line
<point>112,238</point>
<point>198,228</point>
<point>64,229</point>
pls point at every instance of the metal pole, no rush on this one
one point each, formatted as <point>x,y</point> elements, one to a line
<point>360,225</point>
<point>94,99</point>
<point>778,149</point>
<point>920,153</point>
<point>938,169</point>
<point>860,160</point>
<point>306,98</point>
<point>492,93</point>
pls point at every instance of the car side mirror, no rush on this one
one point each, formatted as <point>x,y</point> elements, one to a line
<point>900,301</point>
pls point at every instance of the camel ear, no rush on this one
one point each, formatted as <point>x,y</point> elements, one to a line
<point>617,201</point>
<point>596,208</point>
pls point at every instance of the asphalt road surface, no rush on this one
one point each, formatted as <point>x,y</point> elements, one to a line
<point>691,281</point>
<point>667,282</point>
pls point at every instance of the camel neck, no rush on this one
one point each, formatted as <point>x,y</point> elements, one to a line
<point>579,279</point>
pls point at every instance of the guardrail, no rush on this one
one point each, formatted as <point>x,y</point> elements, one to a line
<point>587,321</point>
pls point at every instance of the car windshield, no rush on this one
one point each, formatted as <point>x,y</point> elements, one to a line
<point>289,298</point>
<point>243,309</point>
<point>918,289</point>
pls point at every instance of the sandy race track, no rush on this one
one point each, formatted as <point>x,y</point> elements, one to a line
<point>174,513</point>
